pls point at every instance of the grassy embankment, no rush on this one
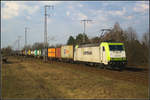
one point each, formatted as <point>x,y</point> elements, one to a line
<point>35,79</point>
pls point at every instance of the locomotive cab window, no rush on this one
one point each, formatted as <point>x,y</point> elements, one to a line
<point>116,47</point>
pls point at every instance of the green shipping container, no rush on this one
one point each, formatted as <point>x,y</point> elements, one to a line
<point>35,52</point>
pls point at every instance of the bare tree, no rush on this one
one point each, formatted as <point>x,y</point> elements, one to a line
<point>131,34</point>
<point>146,46</point>
<point>6,51</point>
<point>38,46</point>
<point>145,39</point>
<point>116,34</point>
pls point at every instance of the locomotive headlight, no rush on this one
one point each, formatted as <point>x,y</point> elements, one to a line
<point>111,54</point>
<point>123,54</point>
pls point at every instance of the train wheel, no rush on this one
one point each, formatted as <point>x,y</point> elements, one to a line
<point>121,68</point>
<point>110,67</point>
<point>103,66</point>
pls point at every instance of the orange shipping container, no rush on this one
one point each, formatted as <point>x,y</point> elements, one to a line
<point>51,52</point>
<point>51,49</point>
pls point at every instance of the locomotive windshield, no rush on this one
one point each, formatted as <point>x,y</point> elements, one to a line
<point>115,47</point>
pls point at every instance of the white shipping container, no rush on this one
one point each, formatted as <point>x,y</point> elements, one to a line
<point>38,52</point>
<point>32,52</point>
<point>67,51</point>
<point>87,54</point>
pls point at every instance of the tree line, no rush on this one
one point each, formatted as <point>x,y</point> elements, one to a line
<point>137,50</point>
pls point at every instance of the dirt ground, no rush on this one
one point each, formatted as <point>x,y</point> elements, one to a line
<point>32,78</point>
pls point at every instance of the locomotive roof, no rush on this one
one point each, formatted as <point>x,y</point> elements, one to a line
<point>93,45</point>
<point>89,45</point>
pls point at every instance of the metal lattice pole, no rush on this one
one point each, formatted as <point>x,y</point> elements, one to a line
<point>25,37</point>
<point>19,37</point>
<point>25,46</point>
<point>45,33</point>
<point>84,23</point>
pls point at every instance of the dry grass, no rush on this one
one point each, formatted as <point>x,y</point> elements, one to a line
<point>35,79</point>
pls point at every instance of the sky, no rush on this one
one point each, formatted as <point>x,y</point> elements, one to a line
<point>65,19</point>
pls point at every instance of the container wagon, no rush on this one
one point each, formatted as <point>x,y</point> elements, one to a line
<point>35,53</point>
<point>58,54</point>
<point>26,52</point>
<point>39,53</point>
<point>51,53</point>
<point>29,53</point>
<point>32,53</point>
<point>43,52</point>
<point>67,53</point>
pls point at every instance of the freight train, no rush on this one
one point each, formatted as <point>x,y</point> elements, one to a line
<point>106,54</point>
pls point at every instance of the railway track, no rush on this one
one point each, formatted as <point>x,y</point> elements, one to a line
<point>130,73</point>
